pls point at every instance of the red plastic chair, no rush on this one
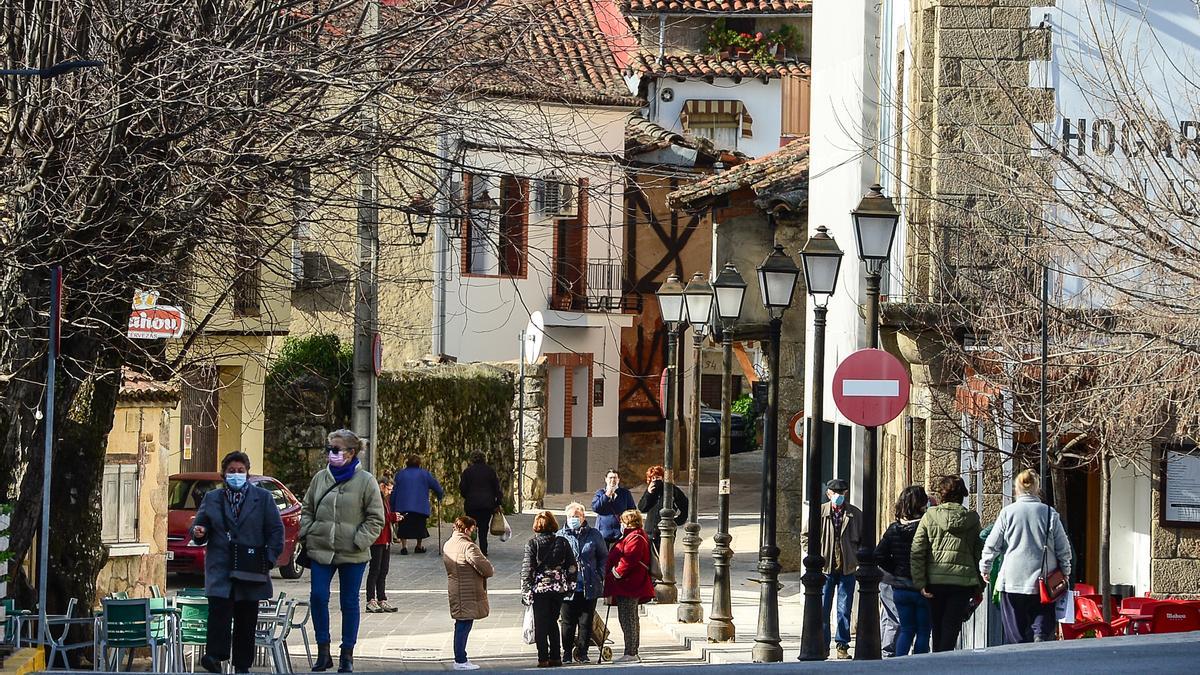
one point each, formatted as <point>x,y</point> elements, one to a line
<point>1085,589</point>
<point>1089,618</point>
<point>1175,617</point>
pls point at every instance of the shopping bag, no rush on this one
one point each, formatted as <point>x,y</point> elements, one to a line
<point>507,533</point>
<point>527,633</point>
<point>1064,608</point>
<point>499,524</point>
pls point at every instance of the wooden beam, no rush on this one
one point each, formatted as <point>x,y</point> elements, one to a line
<point>744,361</point>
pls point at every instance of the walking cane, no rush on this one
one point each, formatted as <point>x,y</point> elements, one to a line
<point>439,510</point>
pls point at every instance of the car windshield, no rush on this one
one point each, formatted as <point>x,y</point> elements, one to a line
<point>188,493</point>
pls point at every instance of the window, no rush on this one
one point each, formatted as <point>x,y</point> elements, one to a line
<point>277,493</point>
<point>119,499</point>
<point>598,392</point>
<point>723,122</point>
<point>301,212</point>
<point>496,225</point>
<point>187,494</point>
<point>247,300</point>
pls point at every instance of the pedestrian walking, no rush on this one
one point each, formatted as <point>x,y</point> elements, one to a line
<point>381,555</point>
<point>651,503</point>
<point>1031,537</point>
<point>579,607</point>
<point>841,533</point>
<point>609,503</point>
<point>945,560</point>
<point>342,514</point>
<point>231,522</point>
<point>548,572</point>
<point>410,499</point>
<point>627,580</point>
<point>480,490</point>
<point>893,555</point>
<point>467,572</point>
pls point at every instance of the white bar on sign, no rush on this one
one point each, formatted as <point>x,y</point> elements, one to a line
<point>871,388</point>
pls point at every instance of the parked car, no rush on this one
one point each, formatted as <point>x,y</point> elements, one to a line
<point>710,433</point>
<point>184,495</point>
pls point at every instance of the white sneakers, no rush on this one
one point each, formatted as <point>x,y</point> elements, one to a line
<point>628,658</point>
<point>467,665</point>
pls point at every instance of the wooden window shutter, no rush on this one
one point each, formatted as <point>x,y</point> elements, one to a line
<point>514,225</point>
<point>583,234</point>
<point>466,222</point>
<point>797,105</point>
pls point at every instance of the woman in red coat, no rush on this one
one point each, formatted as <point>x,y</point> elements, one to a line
<point>627,580</point>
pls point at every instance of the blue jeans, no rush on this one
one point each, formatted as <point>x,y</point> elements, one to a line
<point>844,583</point>
<point>462,628</point>
<point>350,578</point>
<point>913,609</point>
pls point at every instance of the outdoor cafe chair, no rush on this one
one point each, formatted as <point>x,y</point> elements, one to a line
<point>272,633</point>
<point>128,625</point>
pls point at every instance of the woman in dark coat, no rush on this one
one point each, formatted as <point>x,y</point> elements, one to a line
<point>893,555</point>
<point>548,573</point>
<point>410,499</point>
<point>247,515</point>
<point>651,503</point>
<point>480,490</point>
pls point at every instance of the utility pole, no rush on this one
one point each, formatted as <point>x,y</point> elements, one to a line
<point>366,292</point>
<point>521,424</point>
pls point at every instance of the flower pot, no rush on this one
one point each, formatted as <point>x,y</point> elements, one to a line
<point>744,54</point>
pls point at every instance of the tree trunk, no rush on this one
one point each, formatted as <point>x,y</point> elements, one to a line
<point>1105,532</point>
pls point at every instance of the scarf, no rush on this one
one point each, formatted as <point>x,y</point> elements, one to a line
<point>236,497</point>
<point>343,473</point>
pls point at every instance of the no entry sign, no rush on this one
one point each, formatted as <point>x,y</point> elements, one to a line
<point>871,387</point>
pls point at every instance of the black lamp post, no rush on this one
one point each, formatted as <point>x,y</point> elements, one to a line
<point>729,290</point>
<point>777,280</point>
<point>698,298</point>
<point>671,305</point>
<point>875,222</point>
<point>822,259</point>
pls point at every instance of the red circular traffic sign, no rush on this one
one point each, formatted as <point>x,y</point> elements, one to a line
<point>796,428</point>
<point>377,354</point>
<point>871,387</point>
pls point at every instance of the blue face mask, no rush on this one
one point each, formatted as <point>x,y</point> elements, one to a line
<point>235,481</point>
<point>574,522</point>
<point>838,500</point>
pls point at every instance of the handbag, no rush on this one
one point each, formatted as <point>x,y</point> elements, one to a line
<point>655,566</point>
<point>249,562</point>
<point>498,524</point>
<point>303,560</point>
<point>1051,585</point>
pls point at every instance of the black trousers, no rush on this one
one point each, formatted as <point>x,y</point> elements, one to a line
<point>576,618</point>
<point>377,571</point>
<point>546,608</point>
<point>1026,619</point>
<point>243,614</point>
<point>947,608</point>
<point>484,520</point>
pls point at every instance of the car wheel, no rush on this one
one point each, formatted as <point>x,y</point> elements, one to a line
<point>293,570</point>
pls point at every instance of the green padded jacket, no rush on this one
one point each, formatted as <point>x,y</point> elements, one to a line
<point>341,528</point>
<point>946,547</point>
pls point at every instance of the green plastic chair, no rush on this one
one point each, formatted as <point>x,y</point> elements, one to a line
<point>126,625</point>
<point>193,624</point>
<point>190,593</point>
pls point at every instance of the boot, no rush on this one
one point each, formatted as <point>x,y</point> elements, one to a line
<point>346,662</point>
<point>324,660</point>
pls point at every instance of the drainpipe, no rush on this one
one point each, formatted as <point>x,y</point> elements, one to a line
<point>441,241</point>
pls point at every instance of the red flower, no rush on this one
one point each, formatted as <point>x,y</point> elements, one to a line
<point>758,37</point>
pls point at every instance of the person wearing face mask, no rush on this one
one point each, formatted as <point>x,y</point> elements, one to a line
<point>841,532</point>
<point>341,516</point>
<point>579,607</point>
<point>246,515</point>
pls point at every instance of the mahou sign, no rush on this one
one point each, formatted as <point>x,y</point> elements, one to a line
<point>154,323</point>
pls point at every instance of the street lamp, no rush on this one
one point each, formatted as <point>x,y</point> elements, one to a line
<point>822,260</point>
<point>777,280</point>
<point>698,298</point>
<point>671,306</point>
<point>875,222</point>
<point>729,290</point>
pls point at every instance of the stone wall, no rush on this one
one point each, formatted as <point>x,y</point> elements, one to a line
<point>1175,555</point>
<point>132,574</point>
<point>530,460</point>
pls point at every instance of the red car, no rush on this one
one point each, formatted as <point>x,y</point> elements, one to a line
<point>186,492</point>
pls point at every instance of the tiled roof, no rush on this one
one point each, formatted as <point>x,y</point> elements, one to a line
<point>546,50</point>
<point>783,174</point>
<point>708,65</point>
<point>716,6</point>
<point>138,387</point>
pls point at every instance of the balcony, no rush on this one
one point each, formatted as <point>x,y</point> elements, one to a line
<point>596,286</point>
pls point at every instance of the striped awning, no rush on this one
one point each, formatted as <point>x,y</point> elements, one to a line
<point>706,113</point>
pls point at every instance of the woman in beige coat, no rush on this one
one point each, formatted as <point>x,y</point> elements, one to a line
<point>467,572</point>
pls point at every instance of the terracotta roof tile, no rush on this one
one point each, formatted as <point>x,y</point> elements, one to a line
<point>642,136</point>
<point>708,65</point>
<point>716,6</point>
<point>782,174</point>
<point>137,387</point>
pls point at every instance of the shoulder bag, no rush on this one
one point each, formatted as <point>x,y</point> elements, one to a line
<point>249,562</point>
<point>303,560</point>
<point>1051,585</point>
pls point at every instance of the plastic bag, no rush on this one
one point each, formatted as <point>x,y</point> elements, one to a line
<point>1064,607</point>
<point>527,633</point>
<point>507,533</point>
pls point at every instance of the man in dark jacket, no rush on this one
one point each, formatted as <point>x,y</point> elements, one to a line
<point>480,490</point>
<point>841,532</point>
<point>609,503</point>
